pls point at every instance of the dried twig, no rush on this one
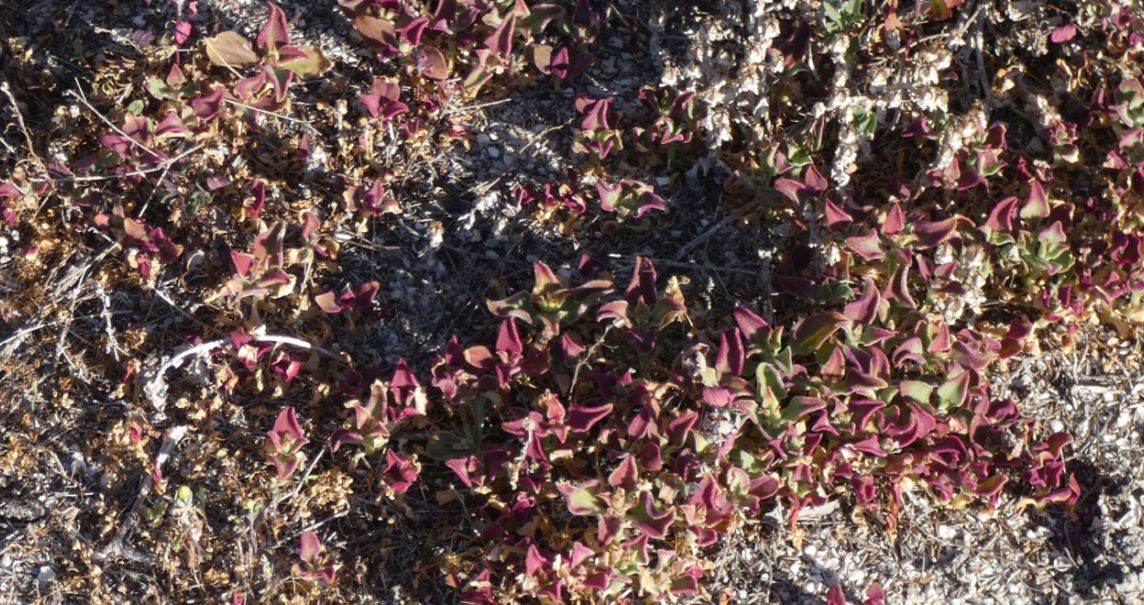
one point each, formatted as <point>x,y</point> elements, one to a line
<point>7,90</point>
<point>703,237</point>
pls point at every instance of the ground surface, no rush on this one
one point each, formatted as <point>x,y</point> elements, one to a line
<point>88,515</point>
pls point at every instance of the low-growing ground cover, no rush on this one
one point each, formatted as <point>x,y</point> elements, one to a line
<point>574,301</point>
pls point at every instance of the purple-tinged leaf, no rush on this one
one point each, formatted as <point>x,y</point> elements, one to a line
<point>582,418</point>
<point>918,128</point>
<point>310,547</point>
<point>274,33</point>
<point>287,424</point>
<point>642,285</point>
<point>209,106</point>
<point>508,339</point>
<point>875,595</point>
<point>582,499</point>
<point>609,195</point>
<point>1053,240</point>
<point>865,310</point>
<point>895,221</point>
<point>1001,218</point>
<point>1037,204</point>
<point>171,126</point>
<point>868,247</point>
<point>750,323</point>
<point>500,42</point>
<point>652,522</point>
<point>991,487</point>
<point>680,427</point>
<point>650,200</point>
<point>1063,33</point>
<point>730,357</point>
<point>625,474</point>
<point>812,332</point>
<point>870,446</point>
<point>898,289</point>
<point>413,31</point>
<point>932,234</point>
<point>343,436</point>
<point>383,99</point>
<point>836,218</point>
<point>400,473</point>
<point>863,410</point>
<point>650,457</point>
<point>561,65</point>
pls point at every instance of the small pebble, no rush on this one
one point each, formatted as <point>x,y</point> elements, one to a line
<point>493,152</point>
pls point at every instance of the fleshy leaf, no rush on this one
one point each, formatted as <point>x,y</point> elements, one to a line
<point>582,499</point>
<point>812,332</point>
<point>304,61</point>
<point>230,49</point>
<point>274,33</point>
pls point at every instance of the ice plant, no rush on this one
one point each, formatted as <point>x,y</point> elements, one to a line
<point>286,443</point>
<point>314,564</point>
<point>278,60</point>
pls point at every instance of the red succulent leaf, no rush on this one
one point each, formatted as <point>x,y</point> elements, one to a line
<point>230,49</point>
<point>413,31</point>
<point>500,42</point>
<point>287,424</point>
<point>750,323</point>
<point>895,220</point>
<point>650,457</point>
<point>1037,204</point>
<point>836,218</point>
<point>1001,217</point>
<point>731,357</point>
<point>508,340</point>
<point>932,234</point>
<point>800,406</point>
<point>183,31</point>
<point>868,247</point>
<point>582,418</point>
<point>870,446</point>
<point>898,288</point>
<point>625,474</point>
<point>209,106</point>
<point>680,427</point>
<point>812,332</point>
<point>400,473</point>
<point>1063,33</point>
<point>653,523</point>
<point>865,310</point>
<point>310,547</point>
<point>561,64</point>
<point>274,33</point>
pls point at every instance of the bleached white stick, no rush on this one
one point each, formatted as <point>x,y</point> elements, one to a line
<point>156,388</point>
